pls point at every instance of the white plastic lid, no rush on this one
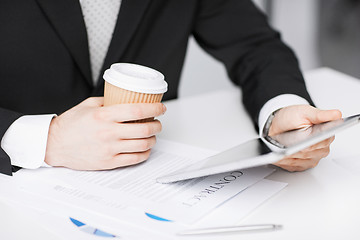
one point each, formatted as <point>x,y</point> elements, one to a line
<point>136,78</point>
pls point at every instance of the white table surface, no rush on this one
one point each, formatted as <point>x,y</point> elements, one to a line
<point>321,203</point>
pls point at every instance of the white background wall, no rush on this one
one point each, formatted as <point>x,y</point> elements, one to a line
<point>295,19</point>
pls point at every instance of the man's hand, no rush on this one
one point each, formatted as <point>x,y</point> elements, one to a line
<point>90,136</point>
<point>300,116</point>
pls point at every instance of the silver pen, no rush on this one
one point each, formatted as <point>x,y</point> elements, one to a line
<point>228,229</point>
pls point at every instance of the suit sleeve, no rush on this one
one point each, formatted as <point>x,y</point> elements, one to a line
<point>236,32</point>
<point>7,117</point>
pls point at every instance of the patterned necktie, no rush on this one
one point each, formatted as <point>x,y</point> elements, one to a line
<point>100,19</point>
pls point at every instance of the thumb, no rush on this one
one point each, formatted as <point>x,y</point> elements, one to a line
<point>316,116</point>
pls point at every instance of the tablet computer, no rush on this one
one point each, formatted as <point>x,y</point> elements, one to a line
<point>263,151</point>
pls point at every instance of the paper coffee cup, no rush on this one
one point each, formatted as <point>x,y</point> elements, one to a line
<point>132,83</point>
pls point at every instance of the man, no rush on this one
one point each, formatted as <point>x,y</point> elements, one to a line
<point>53,54</point>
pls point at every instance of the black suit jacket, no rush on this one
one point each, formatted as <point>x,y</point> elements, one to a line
<point>44,57</point>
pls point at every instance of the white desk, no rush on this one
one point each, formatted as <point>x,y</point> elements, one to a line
<point>320,203</point>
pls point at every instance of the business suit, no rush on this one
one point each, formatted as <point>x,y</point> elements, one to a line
<point>45,64</point>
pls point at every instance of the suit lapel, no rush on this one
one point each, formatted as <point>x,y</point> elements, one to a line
<point>67,19</point>
<point>130,15</point>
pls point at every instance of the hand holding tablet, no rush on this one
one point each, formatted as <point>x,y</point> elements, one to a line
<point>254,152</point>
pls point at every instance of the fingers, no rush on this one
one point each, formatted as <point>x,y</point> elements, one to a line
<point>130,159</point>
<point>329,115</point>
<point>297,165</point>
<point>130,112</point>
<point>317,116</point>
<point>92,137</point>
<point>133,145</point>
<point>137,130</point>
<point>309,158</point>
<point>322,144</point>
<point>299,116</point>
<point>314,149</point>
<point>128,152</point>
<point>317,153</point>
<point>125,159</point>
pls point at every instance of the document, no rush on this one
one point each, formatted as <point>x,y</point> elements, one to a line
<point>57,218</point>
<point>131,195</point>
<point>136,186</point>
<point>234,210</point>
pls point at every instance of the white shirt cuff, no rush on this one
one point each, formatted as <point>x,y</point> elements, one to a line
<point>276,103</point>
<point>25,140</point>
<point>271,106</point>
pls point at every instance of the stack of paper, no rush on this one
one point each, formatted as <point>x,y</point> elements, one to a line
<point>102,201</point>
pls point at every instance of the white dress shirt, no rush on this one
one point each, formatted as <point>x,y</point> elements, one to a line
<point>25,140</point>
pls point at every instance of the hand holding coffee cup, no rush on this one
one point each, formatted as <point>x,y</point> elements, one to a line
<point>100,133</point>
